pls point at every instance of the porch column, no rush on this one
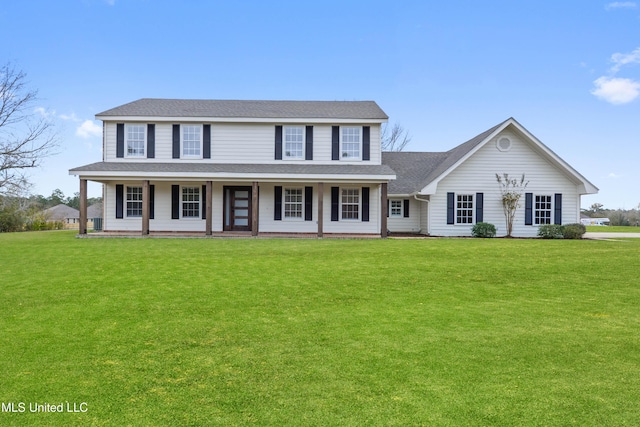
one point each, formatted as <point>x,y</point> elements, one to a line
<point>320,208</point>
<point>383,210</point>
<point>146,207</point>
<point>209,207</point>
<point>254,209</point>
<point>82,229</point>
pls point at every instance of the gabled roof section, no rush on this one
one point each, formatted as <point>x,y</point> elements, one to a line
<point>425,170</point>
<point>240,109</point>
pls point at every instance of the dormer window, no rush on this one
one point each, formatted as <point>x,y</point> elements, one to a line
<point>293,142</point>
<point>135,142</point>
<point>350,143</point>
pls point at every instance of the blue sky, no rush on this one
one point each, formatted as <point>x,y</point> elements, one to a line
<point>569,71</point>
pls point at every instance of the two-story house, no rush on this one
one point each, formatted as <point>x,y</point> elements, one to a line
<point>223,166</point>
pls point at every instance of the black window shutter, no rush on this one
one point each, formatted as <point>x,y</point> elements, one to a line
<point>176,141</point>
<point>308,152</point>
<point>528,209</point>
<point>557,212</point>
<point>451,203</point>
<point>277,203</point>
<point>335,203</point>
<point>152,200</point>
<point>206,141</point>
<point>175,202</point>
<point>366,143</point>
<point>308,203</point>
<point>365,204</point>
<point>151,141</point>
<point>479,207</point>
<point>405,208</point>
<point>388,207</point>
<point>278,142</point>
<point>120,140</point>
<point>335,143</point>
<point>203,204</point>
<point>119,200</point>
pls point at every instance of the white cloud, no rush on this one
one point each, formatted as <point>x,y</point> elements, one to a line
<point>46,114</point>
<point>616,90</point>
<point>620,59</point>
<point>88,129</point>
<point>620,5</point>
<point>70,117</point>
<point>614,175</point>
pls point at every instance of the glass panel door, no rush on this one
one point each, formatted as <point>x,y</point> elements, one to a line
<point>238,208</point>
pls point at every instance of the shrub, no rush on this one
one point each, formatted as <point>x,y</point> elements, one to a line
<point>483,229</point>
<point>551,231</point>
<point>574,231</point>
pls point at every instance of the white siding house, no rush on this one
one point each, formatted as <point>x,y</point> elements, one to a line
<point>450,192</point>
<point>211,166</point>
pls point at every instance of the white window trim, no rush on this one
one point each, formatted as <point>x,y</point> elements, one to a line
<point>351,159</point>
<point>284,203</point>
<point>550,210</point>
<point>127,201</point>
<point>126,140</point>
<point>473,209</point>
<point>398,215</point>
<point>190,156</point>
<point>285,156</point>
<point>182,202</point>
<point>359,204</point>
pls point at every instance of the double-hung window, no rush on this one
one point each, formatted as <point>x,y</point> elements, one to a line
<point>464,209</point>
<point>350,203</point>
<point>191,140</point>
<point>293,203</point>
<point>294,142</point>
<point>396,208</point>
<point>135,142</point>
<point>543,210</point>
<point>134,201</point>
<point>191,202</point>
<point>350,142</point>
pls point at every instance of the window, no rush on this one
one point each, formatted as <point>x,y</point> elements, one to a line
<point>464,209</point>
<point>134,201</point>
<point>350,205</point>
<point>293,142</point>
<point>135,140</point>
<point>396,208</point>
<point>191,202</point>
<point>350,143</point>
<point>293,203</point>
<point>191,140</point>
<point>543,210</point>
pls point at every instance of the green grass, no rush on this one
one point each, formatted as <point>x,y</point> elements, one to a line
<point>613,229</point>
<point>444,332</point>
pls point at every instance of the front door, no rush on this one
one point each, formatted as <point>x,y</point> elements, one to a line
<point>237,208</point>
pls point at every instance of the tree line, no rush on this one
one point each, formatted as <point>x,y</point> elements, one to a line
<point>627,217</point>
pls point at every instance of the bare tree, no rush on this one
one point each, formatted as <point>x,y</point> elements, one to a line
<point>511,190</point>
<point>26,137</point>
<point>394,139</point>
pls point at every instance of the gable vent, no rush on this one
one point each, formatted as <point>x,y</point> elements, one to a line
<point>503,144</point>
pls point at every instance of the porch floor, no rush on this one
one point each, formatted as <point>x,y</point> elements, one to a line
<point>223,235</point>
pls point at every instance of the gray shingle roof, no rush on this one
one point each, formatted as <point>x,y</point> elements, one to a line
<point>61,212</point>
<point>249,109</point>
<point>233,168</point>
<point>416,170</point>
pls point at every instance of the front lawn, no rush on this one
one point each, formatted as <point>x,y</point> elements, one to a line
<point>276,332</point>
<point>612,229</point>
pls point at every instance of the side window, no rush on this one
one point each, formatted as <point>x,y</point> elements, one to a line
<point>350,143</point>
<point>135,140</point>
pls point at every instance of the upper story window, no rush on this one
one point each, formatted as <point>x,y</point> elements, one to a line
<point>350,143</point>
<point>135,142</point>
<point>191,140</point>
<point>464,209</point>
<point>293,142</point>
<point>543,210</point>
